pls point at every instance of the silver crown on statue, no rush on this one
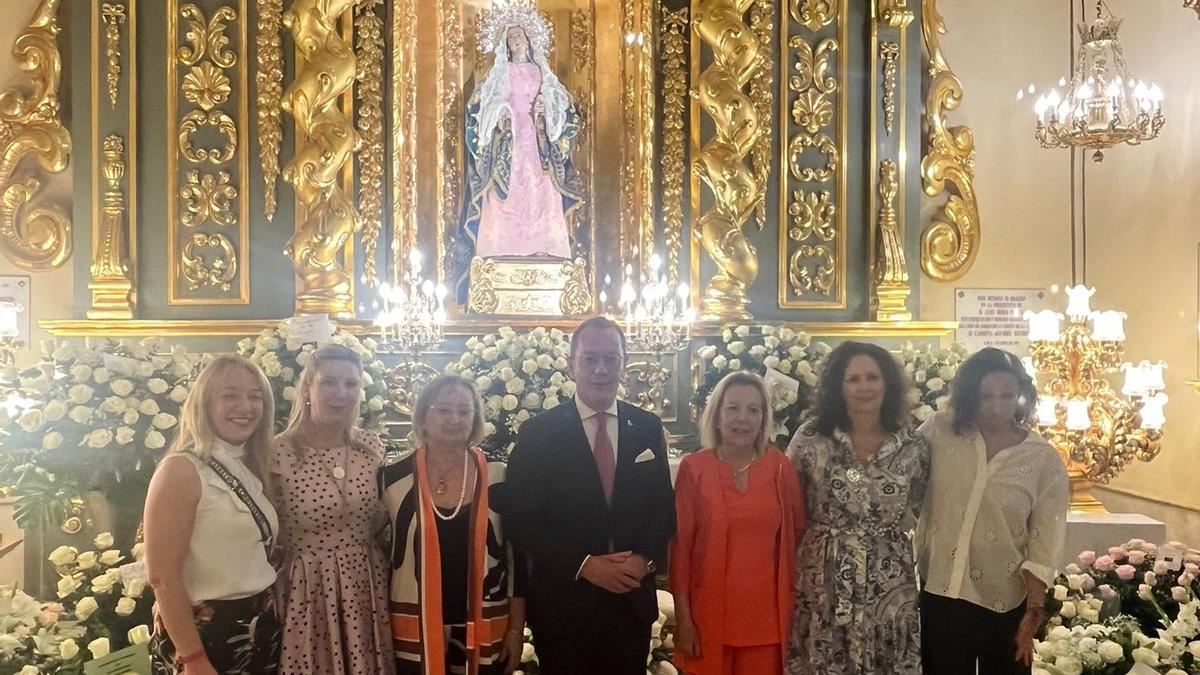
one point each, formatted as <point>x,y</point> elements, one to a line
<point>507,13</point>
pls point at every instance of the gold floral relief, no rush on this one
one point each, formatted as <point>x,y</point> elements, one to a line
<point>268,78</point>
<point>208,198</point>
<point>218,119</point>
<point>207,86</point>
<point>218,268</point>
<point>113,15</point>
<point>762,24</point>
<point>950,243</point>
<point>889,53</point>
<point>206,37</point>
<point>674,57</point>
<point>813,98</point>
<point>368,35</point>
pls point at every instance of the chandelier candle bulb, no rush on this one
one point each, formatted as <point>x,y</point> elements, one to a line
<point>1077,415</point>
<point>1108,325</point>
<point>1043,325</point>
<point>1152,414</point>
<point>1047,410</point>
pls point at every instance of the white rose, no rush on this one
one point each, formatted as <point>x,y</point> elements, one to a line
<point>289,375</point>
<point>1074,581</point>
<point>63,352</point>
<point>124,435</point>
<point>568,389</point>
<point>1068,665</point>
<point>81,372</point>
<point>785,366</point>
<point>99,647</point>
<point>515,385</point>
<point>522,416</point>
<point>80,414</point>
<point>549,402</point>
<point>1060,592</point>
<point>935,385</point>
<point>134,588</point>
<point>164,420</point>
<point>719,362</point>
<point>157,386</point>
<point>1110,651</point>
<point>137,550</point>
<point>63,555</point>
<point>736,348</point>
<point>31,420</point>
<point>509,402</point>
<point>179,394</point>
<point>125,606</point>
<point>110,557</point>
<point>98,438</point>
<point>67,649</point>
<point>758,350</point>
<point>947,372</point>
<point>375,404</point>
<point>488,429</point>
<point>560,362</point>
<point>545,361</point>
<point>139,634</point>
<point>1146,656</point>
<point>122,387</point>
<point>100,375</point>
<point>289,393</point>
<point>1176,671</point>
<point>490,354</point>
<point>102,584</point>
<point>942,403</point>
<point>54,410</point>
<point>52,440</point>
<point>155,440</point>
<point>507,373</point>
<point>85,607</point>
<point>67,585</point>
<point>272,368</point>
<point>103,540</point>
<point>735,364</point>
<point>1068,610</point>
<point>706,352</point>
<point>771,361</point>
<point>113,404</point>
<point>532,400</point>
<point>130,416</point>
<point>923,413</point>
<point>87,560</point>
<point>149,407</point>
<point>742,331</point>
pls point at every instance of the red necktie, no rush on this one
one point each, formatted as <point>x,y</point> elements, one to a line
<point>606,462</point>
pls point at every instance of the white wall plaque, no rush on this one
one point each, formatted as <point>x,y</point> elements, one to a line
<point>991,317</point>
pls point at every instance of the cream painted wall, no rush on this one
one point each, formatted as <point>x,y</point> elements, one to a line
<point>1142,202</point>
<point>51,292</point>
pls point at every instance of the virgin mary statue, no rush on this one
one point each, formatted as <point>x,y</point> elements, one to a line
<point>521,129</point>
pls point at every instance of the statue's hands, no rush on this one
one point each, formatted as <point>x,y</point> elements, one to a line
<point>505,122</point>
<point>539,106</point>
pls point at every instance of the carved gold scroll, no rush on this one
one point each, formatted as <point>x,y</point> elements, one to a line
<point>950,243</point>
<point>37,239</point>
<point>814,119</point>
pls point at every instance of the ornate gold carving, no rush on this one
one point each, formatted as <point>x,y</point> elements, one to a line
<point>483,293</point>
<point>720,164</point>
<point>813,99</point>
<point>521,286</point>
<point>950,243</point>
<point>39,240</point>
<point>891,271</point>
<point>111,280</point>
<point>207,86</point>
<point>449,158</point>
<point>405,382</point>
<point>197,119</point>
<point>269,80</point>
<point>404,131</point>
<point>894,13</point>
<point>673,51</point>
<point>113,15</point>
<point>218,271</point>
<point>368,32</point>
<point>761,85</point>
<point>206,38</point>
<point>647,386</point>
<point>576,300</point>
<point>813,14</point>
<point>638,94</point>
<point>889,53</point>
<point>325,140</point>
<point>581,38</point>
<point>208,197</point>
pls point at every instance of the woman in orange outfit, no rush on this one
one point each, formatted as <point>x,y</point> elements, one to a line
<point>739,515</point>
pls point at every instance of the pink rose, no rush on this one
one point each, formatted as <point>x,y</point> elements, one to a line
<point>1107,592</point>
<point>1088,582</point>
<point>1087,558</point>
<point>1126,572</point>
<point>1117,553</point>
<point>1137,557</point>
<point>1179,594</point>
<point>1193,568</point>
<point>1150,578</point>
<point>1136,543</point>
<point>1186,579</point>
<point>1150,548</point>
<point>1104,564</point>
<point>1161,569</point>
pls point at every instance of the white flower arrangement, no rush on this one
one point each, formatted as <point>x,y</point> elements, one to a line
<point>792,355</point>
<point>931,371</point>
<point>101,606</point>
<point>518,375</point>
<point>1121,610</point>
<point>282,357</point>
<point>90,416</point>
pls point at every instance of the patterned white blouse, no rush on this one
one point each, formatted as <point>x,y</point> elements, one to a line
<point>985,521</point>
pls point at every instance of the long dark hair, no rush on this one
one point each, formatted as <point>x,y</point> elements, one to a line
<point>964,389</point>
<point>831,405</point>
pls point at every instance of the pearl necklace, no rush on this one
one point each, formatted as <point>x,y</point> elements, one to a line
<point>462,493</point>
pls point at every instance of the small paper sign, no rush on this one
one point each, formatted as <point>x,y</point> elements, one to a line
<point>311,328</point>
<point>1172,556</point>
<point>135,659</point>
<point>775,378</point>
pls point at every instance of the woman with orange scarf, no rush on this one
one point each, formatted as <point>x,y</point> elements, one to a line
<point>739,514</point>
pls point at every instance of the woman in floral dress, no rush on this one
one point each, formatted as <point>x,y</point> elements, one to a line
<point>864,473</point>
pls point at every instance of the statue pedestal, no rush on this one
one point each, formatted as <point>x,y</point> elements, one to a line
<point>1098,531</point>
<point>529,287</point>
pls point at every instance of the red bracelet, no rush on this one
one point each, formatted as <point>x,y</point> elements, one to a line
<point>191,658</point>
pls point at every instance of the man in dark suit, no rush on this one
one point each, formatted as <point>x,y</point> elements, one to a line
<point>591,510</point>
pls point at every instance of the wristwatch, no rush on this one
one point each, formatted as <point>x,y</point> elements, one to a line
<point>651,567</point>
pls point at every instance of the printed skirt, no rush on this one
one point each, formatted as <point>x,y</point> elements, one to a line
<point>240,637</point>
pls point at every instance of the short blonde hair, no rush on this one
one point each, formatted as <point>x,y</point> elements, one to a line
<point>195,435</point>
<point>429,395</point>
<point>710,419</point>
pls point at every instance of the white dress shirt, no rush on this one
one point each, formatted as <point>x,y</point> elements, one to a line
<point>591,425</point>
<point>985,521</point>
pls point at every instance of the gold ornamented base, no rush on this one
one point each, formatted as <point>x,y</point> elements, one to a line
<point>891,302</point>
<point>529,287</point>
<point>725,300</point>
<point>1082,499</point>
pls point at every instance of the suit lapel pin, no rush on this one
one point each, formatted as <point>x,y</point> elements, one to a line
<point>628,423</point>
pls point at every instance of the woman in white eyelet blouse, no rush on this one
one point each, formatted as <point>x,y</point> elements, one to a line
<point>993,525</point>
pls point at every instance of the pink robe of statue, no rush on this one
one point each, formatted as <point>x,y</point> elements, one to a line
<point>531,220</point>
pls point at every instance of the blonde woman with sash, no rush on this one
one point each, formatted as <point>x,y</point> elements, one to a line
<point>452,603</point>
<point>209,529</point>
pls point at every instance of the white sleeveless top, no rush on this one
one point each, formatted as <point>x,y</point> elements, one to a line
<point>226,558</point>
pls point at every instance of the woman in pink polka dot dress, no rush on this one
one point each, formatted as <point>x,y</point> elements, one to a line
<point>333,580</point>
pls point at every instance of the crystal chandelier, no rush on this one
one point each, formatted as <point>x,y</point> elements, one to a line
<point>656,319</point>
<point>414,311</point>
<point>1103,106</point>
<point>1096,429</point>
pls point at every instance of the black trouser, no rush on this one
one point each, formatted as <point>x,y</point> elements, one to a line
<point>615,644</point>
<point>955,634</point>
